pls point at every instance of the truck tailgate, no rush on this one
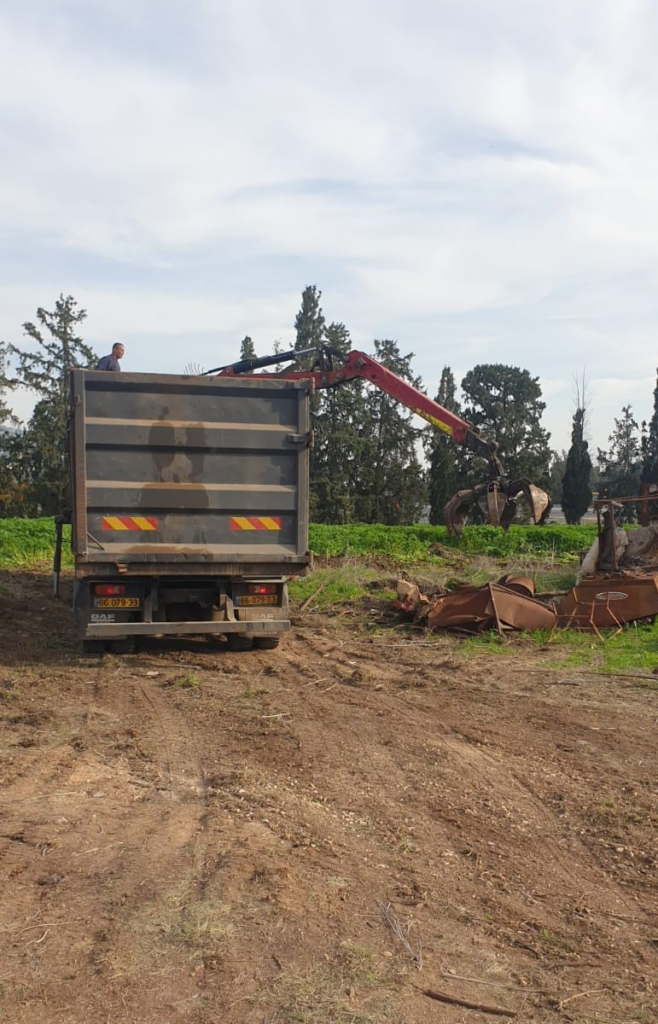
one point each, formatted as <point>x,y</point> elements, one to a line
<point>193,469</point>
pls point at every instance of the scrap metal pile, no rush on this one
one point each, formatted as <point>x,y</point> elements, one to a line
<point>617,584</point>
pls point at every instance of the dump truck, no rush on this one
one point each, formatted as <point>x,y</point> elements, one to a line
<point>189,505</point>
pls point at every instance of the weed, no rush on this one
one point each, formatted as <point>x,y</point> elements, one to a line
<point>329,994</point>
<point>331,586</point>
<point>635,648</point>
<point>556,943</point>
<point>201,927</point>
<point>188,681</point>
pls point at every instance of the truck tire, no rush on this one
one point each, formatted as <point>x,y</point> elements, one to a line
<point>126,645</point>
<point>239,641</point>
<point>93,648</point>
<point>267,643</point>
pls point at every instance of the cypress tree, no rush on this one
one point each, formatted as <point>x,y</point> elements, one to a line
<point>442,453</point>
<point>650,444</point>
<point>576,490</point>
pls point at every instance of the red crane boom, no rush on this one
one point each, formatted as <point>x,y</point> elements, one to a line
<point>497,497</point>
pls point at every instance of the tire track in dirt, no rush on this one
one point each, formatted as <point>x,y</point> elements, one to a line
<point>132,860</point>
<point>222,862</point>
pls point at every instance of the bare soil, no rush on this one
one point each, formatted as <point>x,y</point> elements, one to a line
<point>320,833</point>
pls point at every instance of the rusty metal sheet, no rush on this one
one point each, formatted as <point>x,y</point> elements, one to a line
<point>522,584</point>
<point>476,609</point>
<point>607,602</point>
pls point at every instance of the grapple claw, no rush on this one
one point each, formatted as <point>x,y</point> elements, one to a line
<point>498,501</point>
<point>539,503</point>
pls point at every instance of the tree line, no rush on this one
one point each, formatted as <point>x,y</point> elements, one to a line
<point>370,461</point>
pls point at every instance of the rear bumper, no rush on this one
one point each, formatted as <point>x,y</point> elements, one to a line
<point>264,627</point>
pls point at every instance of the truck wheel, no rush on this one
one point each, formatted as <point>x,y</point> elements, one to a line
<point>267,643</point>
<point>239,641</point>
<point>126,645</point>
<point>93,648</point>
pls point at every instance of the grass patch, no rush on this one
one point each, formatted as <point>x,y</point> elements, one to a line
<point>199,928</point>
<point>188,681</point>
<point>331,994</point>
<point>332,586</point>
<point>25,542</point>
<point>635,649</point>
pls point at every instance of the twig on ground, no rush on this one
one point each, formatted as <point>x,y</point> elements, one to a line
<point>442,997</point>
<point>489,984</point>
<point>309,600</point>
<point>391,920</point>
<point>579,995</point>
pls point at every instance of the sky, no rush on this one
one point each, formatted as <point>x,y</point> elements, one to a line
<point>473,178</point>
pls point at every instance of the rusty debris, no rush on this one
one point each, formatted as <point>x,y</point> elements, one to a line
<point>507,605</point>
<point>617,583</point>
<point>605,601</point>
<point>609,601</point>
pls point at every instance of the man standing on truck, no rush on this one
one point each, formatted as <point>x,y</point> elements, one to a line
<point>111,362</point>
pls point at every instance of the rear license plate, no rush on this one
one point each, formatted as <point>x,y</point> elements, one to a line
<point>116,602</point>
<point>258,599</point>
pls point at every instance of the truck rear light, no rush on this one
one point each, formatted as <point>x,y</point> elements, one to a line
<point>261,588</point>
<point>109,589</point>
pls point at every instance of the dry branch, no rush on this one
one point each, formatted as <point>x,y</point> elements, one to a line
<point>579,995</point>
<point>391,920</point>
<point>442,997</point>
<point>309,600</point>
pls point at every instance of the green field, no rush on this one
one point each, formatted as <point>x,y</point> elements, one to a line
<point>25,542</point>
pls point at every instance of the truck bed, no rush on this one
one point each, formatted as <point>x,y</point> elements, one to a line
<point>181,474</point>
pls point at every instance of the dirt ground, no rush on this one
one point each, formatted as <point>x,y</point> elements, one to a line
<point>321,833</point>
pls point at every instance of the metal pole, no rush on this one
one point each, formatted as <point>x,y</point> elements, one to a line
<point>612,527</point>
<point>57,558</point>
<point>644,507</point>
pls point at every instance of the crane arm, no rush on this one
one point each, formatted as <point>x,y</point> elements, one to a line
<point>497,497</point>
<point>357,365</point>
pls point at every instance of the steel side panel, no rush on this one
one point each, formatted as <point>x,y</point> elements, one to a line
<point>191,454</point>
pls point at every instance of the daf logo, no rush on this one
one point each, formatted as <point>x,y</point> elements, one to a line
<point>102,616</point>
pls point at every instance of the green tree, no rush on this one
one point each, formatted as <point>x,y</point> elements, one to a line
<point>43,459</point>
<point>6,415</point>
<point>339,447</point>
<point>12,496</point>
<point>441,453</point>
<point>310,324</point>
<point>390,486</point>
<point>555,474</point>
<point>504,405</point>
<point>650,444</point>
<point>576,489</point>
<point>247,350</point>
<point>620,466</point>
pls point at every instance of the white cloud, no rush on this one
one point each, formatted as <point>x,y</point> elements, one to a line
<point>476,180</point>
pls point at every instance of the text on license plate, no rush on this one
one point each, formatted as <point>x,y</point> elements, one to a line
<point>116,602</point>
<point>258,599</point>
